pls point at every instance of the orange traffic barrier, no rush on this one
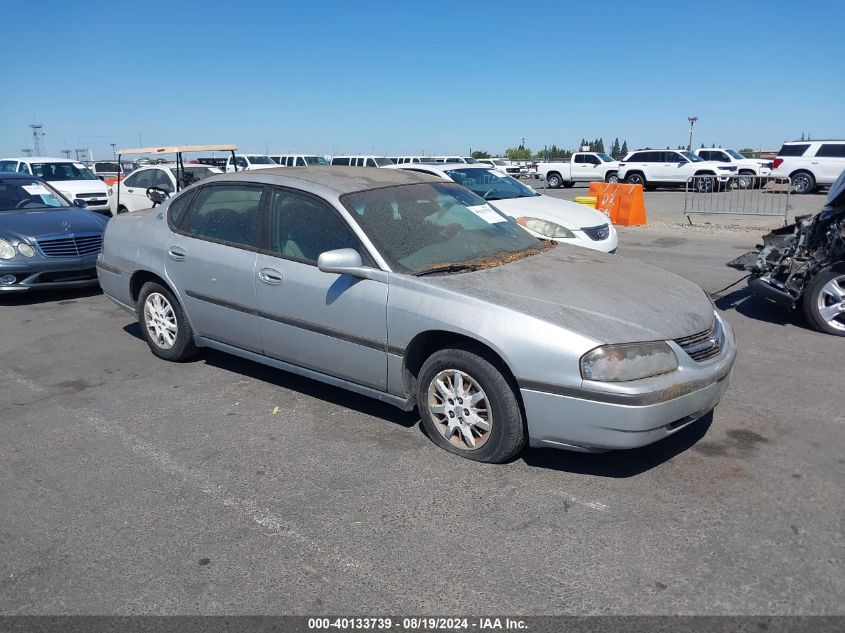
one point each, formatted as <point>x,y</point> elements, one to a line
<point>623,204</point>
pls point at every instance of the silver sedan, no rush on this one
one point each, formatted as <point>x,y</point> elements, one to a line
<point>415,291</point>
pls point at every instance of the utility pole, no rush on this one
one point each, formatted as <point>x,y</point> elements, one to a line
<point>113,150</point>
<point>26,152</point>
<point>692,120</point>
<point>66,152</point>
<point>37,133</point>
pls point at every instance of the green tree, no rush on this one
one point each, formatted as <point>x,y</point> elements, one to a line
<point>518,153</point>
<point>748,152</point>
<point>624,150</point>
<point>615,150</point>
<point>478,154</point>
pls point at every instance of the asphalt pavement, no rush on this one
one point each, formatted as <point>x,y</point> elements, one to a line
<point>132,485</point>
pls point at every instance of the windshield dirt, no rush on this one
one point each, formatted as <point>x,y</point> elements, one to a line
<point>23,194</point>
<point>490,184</point>
<point>437,225</point>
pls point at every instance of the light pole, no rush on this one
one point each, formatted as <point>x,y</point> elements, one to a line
<point>113,150</point>
<point>692,120</point>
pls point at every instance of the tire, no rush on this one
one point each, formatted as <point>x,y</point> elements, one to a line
<point>705,183</point>
<point>747,183</point>
<point>553,180</point>
<point>157,302</point>
<point>803,182</point>
<point>504,436</point>
<point>121,210</point>
<point>824,302</point>
<point>611,177</point>
<point>636,178</point>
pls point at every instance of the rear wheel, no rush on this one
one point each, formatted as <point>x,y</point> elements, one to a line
<point>612,177</point>
<point>468,407</point>
<point>704,183</point>
<point>121,209</point>
<point>746,180</point>
<point>636,178</point>
<point>803,182</point>
<point>824,302</point>
<point>163,323</point>
<point>553,180</point>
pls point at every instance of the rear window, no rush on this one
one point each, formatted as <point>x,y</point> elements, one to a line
<point>834,150</point>
<point>340,161</point>
<point>793,150</point>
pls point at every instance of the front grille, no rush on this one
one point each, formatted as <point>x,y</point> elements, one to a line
<point>597,233</point>
<point>702,345</point>
<point>88,274</point>
<point>72,246</point>
<point>90,195</point>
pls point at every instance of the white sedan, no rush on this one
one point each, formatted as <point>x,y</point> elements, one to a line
<point>133,188</point>
<point>542,216</point>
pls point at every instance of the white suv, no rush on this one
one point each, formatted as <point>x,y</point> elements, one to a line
<point>810,164</point>
<point>73,179</point>
<point>670,167</point>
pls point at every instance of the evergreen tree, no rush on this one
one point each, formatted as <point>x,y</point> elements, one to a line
<point>624,150</point>
<point>600,145</point>
<point>615,151</point>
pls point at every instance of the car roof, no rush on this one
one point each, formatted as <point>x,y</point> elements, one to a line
<point>340,180</point>
<point>5,175</point>
<point>42,159</point>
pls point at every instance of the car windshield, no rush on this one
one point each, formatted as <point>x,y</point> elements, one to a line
<point>62,171</point>
<point>735,154</point>
<point>315,160</point>
<point>499,162</point>
<point>490,184</point>
<point>381,162</point>
<point>604,157</point>
<point>693,157</point>
<point>27,194</point>
<point>470,161</point>
<point>437,227</point>
<point>260,160</point>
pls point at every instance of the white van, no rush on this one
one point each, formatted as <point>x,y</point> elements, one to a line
<point>246,162</point>
<point>73,179</point>
<point>361,161</point>
<point>298,160</point>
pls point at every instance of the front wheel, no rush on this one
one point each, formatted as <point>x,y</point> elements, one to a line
<point>612,177</point>
<point>745,180</point>
<point>824,302</point>
<point>163,323</point>
<point>468,407</point>
<point>704,183</point>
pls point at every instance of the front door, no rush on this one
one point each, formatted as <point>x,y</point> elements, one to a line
<point>334,324</point>
<point>211,259</point>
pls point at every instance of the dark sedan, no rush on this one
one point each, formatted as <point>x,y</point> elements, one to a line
<point>45,241</point>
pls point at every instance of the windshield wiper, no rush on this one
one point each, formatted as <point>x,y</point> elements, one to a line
<point>447,268</point>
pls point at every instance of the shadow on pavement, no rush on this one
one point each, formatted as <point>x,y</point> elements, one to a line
<point>745,303</point>
<point>307,386</point>
<point>620,464</point>
<point>36,297</point>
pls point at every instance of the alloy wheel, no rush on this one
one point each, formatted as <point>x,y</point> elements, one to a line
<point>160,320</point>
<point>831,303</point>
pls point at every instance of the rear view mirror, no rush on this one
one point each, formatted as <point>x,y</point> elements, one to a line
<point>157,195</point>
<point>347,261</point>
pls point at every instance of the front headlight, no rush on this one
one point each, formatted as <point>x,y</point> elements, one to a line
<point>25,250</point>
<point>544,227</point>
<point>628,361</point>
<point>7,251</point>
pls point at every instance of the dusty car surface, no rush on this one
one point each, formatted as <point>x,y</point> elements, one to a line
<point>411,289</point>
<point>804,264</point>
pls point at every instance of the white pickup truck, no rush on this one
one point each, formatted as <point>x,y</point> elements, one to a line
<point>581,167</point>
<point>744,166</point>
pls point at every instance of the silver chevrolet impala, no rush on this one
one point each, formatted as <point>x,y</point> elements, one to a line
<point>416,291</point>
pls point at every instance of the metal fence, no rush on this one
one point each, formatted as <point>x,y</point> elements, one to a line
<point>739,194</point>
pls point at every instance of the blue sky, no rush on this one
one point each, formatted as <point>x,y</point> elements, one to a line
<point>407,77</point>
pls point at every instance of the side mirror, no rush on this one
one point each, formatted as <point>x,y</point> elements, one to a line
<point>347,261</point>
<point>157,195</point>
<point>79,202</point>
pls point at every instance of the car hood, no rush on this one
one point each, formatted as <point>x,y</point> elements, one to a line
<point>604,297</point>
<point>80,186</point>
<point>38,222</point>
<point>568,214</point>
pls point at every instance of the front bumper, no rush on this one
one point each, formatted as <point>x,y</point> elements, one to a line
<point>608,245</point>
<point>44,273</point>
<point>637,413</point>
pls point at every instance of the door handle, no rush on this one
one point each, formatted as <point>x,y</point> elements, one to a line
<point>270,276</point>
<point>176,253</point>
<point>131,190</point>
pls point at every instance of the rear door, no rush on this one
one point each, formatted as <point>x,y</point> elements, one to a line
<point>828,162</point>
<point>133,190</point>
<point>211,258</point>
<point>334,324</point>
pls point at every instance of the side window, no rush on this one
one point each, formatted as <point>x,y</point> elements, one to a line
<point>705,154</point>
<point>141,179</point>
<point>371,163</point>
<point>162,180</point>
<point>228,213</point>
<point>131,180</point>
<point>340,161</point>
<point>592,160</point>
<point>579,158</point>
<point>300,162</point>
<point>831,150</point>
<point>302,227</point>
<point>24,168</point>
<point>673,157</point>
<point>177,207</point>
<point>721,157</point>
<point>8,165</point>
<point>637,157</point>
<point>240,161</point>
